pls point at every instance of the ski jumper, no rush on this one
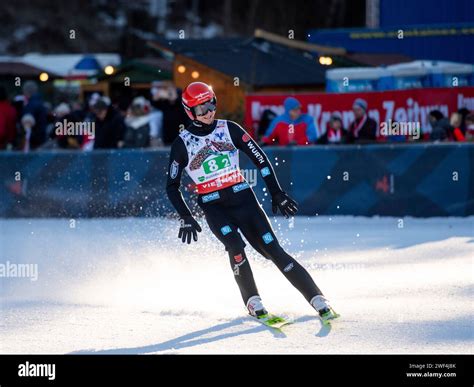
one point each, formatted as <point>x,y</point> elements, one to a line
<point>210,156</point>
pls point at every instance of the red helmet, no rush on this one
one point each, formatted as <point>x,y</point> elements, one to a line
<point>195,94</point>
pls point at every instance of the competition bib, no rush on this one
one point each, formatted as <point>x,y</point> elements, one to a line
<point>213,160</point>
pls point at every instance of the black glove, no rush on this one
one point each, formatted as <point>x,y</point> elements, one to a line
<point>287,206</point>
<point>189,227</point>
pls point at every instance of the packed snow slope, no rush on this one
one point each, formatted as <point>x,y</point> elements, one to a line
<point>129,286</point>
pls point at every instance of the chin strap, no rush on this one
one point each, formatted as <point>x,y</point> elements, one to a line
<point>202,125</point>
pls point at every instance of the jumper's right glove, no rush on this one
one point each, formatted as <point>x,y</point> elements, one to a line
<point>189,227</point>
<point>287,206</point>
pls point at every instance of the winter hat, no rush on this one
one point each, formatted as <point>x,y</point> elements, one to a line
<point>140,104</point>
<point>291,103</point>
<point>336,116</point>
<point>436,114</point>
<point>361,103</point>
<point>102,103</point>
<point>93,99</point>
<point>62,109</point>
<point>28,119</point>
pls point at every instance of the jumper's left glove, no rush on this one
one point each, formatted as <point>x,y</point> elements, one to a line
<point>287,206</point>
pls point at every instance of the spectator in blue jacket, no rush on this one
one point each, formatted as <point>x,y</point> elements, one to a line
<point>292,127</point>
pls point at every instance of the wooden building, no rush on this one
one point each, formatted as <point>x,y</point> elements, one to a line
<point>237,66</point>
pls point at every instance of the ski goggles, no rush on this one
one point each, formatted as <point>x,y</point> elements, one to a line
<point>203,109</point>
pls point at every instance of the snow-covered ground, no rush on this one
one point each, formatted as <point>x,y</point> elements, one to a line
<point>130,286</point>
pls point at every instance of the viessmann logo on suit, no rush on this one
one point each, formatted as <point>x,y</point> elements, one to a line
<point>221,182</point>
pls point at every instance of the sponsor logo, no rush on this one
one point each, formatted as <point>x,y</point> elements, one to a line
<point>238,258</point>
<point>174,168</point>
<point>240,187</point>
<point>199,97</point>
<point>226,230</point>
<point>210,197</point>
<point>265,171</point>
<point>203,95</point>
<point>214,175</point>
<point>385,185</point>
<point>245,137</point>
<point>288,267</point>
<point>255,152</point>
<point>221,182</point>
<point>267,238</point>
<point>237,266</point>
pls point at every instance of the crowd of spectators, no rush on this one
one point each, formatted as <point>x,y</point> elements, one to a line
<point>153,120</point>
<point>294,127</point>
<point>29,123</point>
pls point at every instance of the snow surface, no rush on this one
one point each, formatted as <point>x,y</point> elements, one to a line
<point>130,286</point>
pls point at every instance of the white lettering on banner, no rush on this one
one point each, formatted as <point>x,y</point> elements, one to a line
<point>258,108</point>
<point>398,105</point>
<point>389,107</point>
<point>465,102</point>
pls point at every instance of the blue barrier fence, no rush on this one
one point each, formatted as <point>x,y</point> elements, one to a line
<point>396,180</point>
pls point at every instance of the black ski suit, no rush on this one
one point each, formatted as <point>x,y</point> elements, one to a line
<point>235,208</point>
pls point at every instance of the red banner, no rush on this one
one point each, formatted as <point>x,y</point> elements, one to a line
<point>398,105</point>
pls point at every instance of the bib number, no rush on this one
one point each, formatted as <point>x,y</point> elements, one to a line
<point>216,163</point>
